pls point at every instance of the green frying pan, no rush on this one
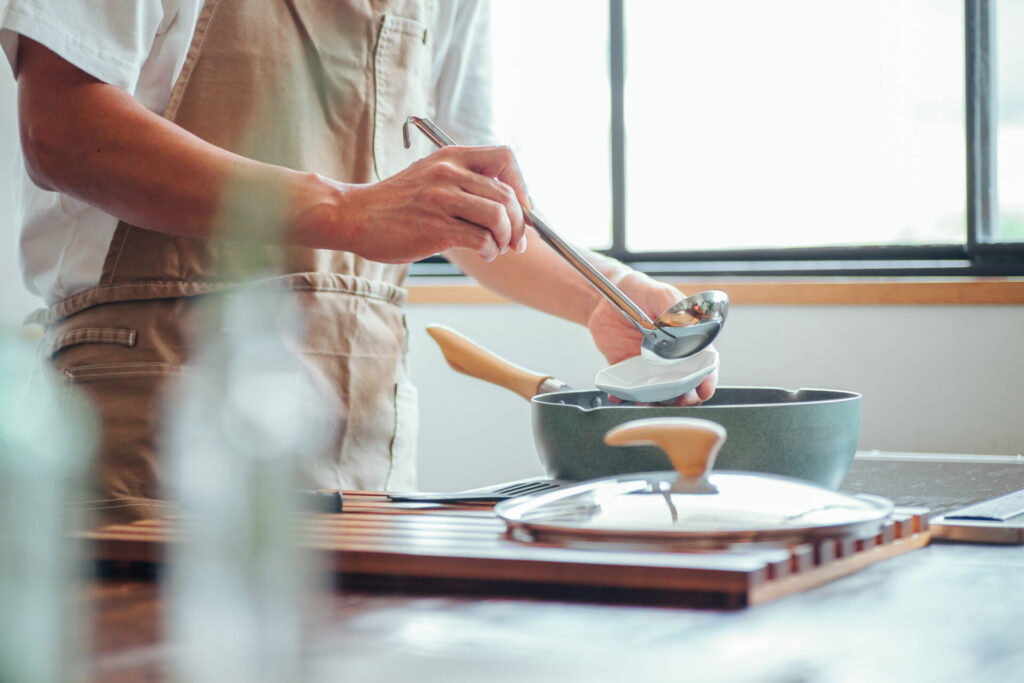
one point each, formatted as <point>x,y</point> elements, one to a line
<point>810,434</point>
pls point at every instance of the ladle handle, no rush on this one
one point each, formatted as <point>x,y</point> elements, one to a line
<point>592,274</point>
<point>470,359</point>
<point>564,249</point>
<point>691,444</point>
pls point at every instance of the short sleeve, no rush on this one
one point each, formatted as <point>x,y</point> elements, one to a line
<point>462,71</point>
<point>108,39</point>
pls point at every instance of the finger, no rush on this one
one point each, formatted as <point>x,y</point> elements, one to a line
<point>467,235</point>
<point>497,176</point>
<point>517,221</point>
<point>652,296</point>
<point>698,395</point>
<point>690,398</point>
<point>485,214</point>
<point>500,193</point>
<point>500,163</point>
<point>706,389</point>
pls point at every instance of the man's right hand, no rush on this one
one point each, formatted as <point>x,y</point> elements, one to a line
<point>456,198</point>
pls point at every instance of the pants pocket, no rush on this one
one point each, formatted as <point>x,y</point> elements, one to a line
<point>129,400</point>
<point>90,335</point>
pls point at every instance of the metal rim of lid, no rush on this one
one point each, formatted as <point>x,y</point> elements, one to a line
<point>523,525</point>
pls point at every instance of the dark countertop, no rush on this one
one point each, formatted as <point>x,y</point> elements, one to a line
<point>944,613</point>
<point>947,612</point>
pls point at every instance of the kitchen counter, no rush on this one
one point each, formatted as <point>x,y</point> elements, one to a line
<point>943,613</point>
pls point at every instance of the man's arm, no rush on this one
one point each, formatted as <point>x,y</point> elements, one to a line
<point>96,143</point>
<point>541,279</point>
<point>538,278</point>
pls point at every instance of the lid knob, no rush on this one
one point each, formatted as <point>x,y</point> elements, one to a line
<point>691,445</point>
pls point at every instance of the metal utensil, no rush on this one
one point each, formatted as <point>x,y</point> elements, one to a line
<point>485,494</point>
<point>684,329</point>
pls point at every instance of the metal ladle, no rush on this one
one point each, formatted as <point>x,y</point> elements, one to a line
<point>682,330</point>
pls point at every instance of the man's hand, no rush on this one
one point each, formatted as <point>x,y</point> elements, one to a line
<point>618,339</point>
<point>457,198</point>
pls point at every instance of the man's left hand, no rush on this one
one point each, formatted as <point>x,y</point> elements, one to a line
<point>618,339</point>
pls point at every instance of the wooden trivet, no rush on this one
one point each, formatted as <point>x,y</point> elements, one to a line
<point>449,548</point>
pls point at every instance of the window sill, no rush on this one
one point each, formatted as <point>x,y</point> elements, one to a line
<point>782,292</point>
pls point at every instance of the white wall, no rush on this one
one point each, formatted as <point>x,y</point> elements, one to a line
<point>943,379</point>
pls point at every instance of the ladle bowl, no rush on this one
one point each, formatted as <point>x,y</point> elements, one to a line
<point>687,327</point>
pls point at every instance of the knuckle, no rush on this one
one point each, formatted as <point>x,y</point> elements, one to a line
<point>480,242</point>
<point>474,239</point>
<point>630,277</point>
<point>506,192</point>
<point>507,198</point>
<point>446,170</point>
<point>431,195</point>
<point>497,215</point>
<point>483,242</point>
<point>449,240</point>
<point>500,225</point>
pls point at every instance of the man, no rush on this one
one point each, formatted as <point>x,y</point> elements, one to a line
<point>177,147</point>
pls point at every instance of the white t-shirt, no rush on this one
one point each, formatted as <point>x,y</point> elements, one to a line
<point>140,47</point>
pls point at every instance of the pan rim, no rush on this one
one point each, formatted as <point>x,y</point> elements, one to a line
<point>836,396</point>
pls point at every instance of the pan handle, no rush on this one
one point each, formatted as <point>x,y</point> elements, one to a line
<point>471,359</point>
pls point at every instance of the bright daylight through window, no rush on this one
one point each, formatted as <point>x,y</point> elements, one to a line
<point>551,105</point>
<point>753,130</point>
<point>793,123</point>
<point>1011,121</point>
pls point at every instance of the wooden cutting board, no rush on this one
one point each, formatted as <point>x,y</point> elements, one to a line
<point>464,549</point>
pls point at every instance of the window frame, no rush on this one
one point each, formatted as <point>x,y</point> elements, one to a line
<point>979,255</point>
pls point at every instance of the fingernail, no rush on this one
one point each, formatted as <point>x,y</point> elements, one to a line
<point>521,246</point>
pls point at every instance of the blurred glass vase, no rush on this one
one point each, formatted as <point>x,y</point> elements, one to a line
<point>46,440</point>
<point>245,415</point>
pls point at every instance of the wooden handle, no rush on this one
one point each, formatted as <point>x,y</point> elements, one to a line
<point>470,359</point>
<point>690,443</point>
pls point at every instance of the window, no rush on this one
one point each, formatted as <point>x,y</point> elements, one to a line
<point>792,136</point>
<point>1010,141</point>
<point>552,106</point>
<point>793,123</point>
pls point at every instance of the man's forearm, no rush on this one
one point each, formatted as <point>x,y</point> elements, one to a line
<point>95,142</point>
<point>98,144</point>
<point>540,278</point>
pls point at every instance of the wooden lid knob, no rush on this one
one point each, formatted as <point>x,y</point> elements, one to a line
<point>691,444</point>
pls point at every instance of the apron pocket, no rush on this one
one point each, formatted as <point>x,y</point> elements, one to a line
<point>92,335</point>
<point>401,64</point>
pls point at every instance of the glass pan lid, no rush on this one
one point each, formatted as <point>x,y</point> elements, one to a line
<point>691,503</point>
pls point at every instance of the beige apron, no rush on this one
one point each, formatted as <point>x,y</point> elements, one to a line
<point>313,85</point>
